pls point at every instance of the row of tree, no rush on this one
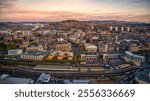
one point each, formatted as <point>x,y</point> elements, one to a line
<point>9,46</point>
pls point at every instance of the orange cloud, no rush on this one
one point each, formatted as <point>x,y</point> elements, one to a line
<point>29,15</point>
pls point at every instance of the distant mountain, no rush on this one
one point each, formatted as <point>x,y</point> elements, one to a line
<point>71,21</point>
<point>77,21</point>
<point>104,21</point>
<point>117,22</point>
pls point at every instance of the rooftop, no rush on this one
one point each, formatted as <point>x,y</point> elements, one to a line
<point>15,80</point>
<point>143,76</point>
<point>44,77</point>
<point>88,45</point>
<point>36,53</point>
<point>134,55</point>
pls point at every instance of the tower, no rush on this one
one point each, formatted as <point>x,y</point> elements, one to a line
<point>81,44</point>
<point>116,38</point>
<point>91,38</point>
<point>111,28</point>
<point>116,28</point>
<point>81,38</point>
<point>128,29</point>
<point>122,28</point>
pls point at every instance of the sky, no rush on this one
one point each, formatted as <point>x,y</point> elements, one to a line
<point>58,10</point>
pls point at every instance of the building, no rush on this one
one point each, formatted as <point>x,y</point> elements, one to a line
<point>90,48</point>
<point>143,77</point>
<point>128,29</point>
<point>111,28</point>
<point>77,81</point>
<point>130,45</point>
<point>111,57</point>
<point>89,58</point>
<point>34,49</point>
<point>4,52</point>
<point>25,44</point>
<point>109,47</point>
<point>6,79</point>
<point>44,78</point>
<point>131,57</point>
<point>8,38</point>
<point>122,28</point>
<point>119,28</point>
<point>134,48</point>
<point>101,46</point>
<point>15,36</point>
<point>116,28</point>
<point>60,55</point>
<point>15,52</point>
<point>106,47</point>
<point>34,56</point>
<point>63,47</point>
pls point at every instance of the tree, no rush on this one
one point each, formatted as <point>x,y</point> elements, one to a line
<point>1,38</point>
<point>17,41</point>
<point>11,46</point>
<point>2,46</point>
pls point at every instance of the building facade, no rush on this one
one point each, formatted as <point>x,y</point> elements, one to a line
<point>89,58</point>
<point>15,52</point>
<point>60,55</point>
<point>131,57</point>
<point>90,48</point>
<point>63,47</point>
<point>34,56</point>
<point>110,57</point>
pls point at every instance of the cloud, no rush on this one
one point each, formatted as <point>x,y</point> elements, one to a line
<point>6,4</point>
<point>31,15</point>
<point>42,15</point>
<point>55,10</point>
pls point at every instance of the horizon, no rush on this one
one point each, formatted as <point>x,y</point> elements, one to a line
<point>73,20</point>
<point>82,10</point>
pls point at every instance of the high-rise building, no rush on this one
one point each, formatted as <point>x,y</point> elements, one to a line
<point>116,28</point>
<point>128,29</point>
<point>111,28</point>
<point>122,28</point>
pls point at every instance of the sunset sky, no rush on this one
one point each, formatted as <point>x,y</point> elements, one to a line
<point>57,10</point>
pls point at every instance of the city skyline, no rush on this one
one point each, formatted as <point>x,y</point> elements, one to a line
<point>58,10</point>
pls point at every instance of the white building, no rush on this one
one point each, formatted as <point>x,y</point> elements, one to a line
<point>77,81</point>
<point>44,78</point>
<point>15,52</point>
<point>92,58</point>
<point>137,59</point>
<point>116,28</point>
<point>35,49</point>
<point>111,28</point>
<point>5,78</point>
<point>128,29</point>
<point>91,48</point>
<point>110,57</point>
<point>122,28</point>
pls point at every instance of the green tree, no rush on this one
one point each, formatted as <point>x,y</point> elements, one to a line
<point>2,46</point>
<point>11,46</point>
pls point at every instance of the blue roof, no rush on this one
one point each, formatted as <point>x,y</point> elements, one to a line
<point>36,53</point>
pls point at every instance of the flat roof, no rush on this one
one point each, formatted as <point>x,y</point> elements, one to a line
<point>144,76</point>
<point>43,76</point>
<point>89,45</point>
<point>53,66</point>
<point>77,81</point>
<point>91,55</point>
<point>13,80</point>
<point>36,53</point>
<point>131,54</point>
